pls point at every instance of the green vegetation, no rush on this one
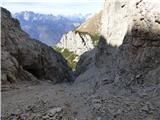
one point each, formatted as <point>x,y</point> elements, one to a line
<point>94,37</point>
<point>68,55</point>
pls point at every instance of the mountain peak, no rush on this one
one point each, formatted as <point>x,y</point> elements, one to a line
<point>46,27</point>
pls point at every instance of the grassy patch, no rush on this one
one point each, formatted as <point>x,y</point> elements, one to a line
<point>95,37</point>
<point>68,55</point>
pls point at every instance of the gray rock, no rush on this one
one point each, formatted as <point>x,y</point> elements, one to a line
<point>55,110</point>
<point>27,59</point>
<point>132,47</point>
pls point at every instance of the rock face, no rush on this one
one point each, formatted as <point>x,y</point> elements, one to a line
<point>27,59</point>
<point>119,18</point>
<point>122,72</point>
<point>131,55</point>
<point>83,39</point>
<point>138,55</point>
<point>117,80</point>
<point>76,42</point>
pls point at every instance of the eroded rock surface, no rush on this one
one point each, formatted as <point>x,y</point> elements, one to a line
<point>123,72</point>
<point>114,81</point>
<point>120,16</point>
<point>76,42</point>
<point>135,60</point>
<point>27,59</point>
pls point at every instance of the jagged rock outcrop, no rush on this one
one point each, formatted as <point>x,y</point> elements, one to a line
<point>27,59</point>
<point>132,52</point>
<point>125,81</point>
<point>83,39</point>
<point>123,70</point>
<point>76,42</point>
<point>138,55</point>
<point>114,81</point>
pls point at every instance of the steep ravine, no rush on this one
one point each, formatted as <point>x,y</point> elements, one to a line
<point>117,80</point>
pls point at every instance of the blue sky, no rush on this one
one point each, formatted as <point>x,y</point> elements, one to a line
<point>65,7</point>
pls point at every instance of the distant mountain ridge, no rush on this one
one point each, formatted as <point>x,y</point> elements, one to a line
<point>46,27</point>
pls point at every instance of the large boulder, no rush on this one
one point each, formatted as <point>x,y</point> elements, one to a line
<point>23,56</point>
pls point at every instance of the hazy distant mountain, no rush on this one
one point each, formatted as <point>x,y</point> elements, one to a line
<point>48,28</point>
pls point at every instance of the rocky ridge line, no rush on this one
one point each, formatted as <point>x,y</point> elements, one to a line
<point>26,59</point>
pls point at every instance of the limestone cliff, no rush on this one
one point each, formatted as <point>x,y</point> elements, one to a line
<point>76,42</point>
<point>131,55</point>
<point>119,17</point>
<point>83,39</point>
<point>123,70</point>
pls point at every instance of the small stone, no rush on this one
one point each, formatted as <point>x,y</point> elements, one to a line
<point>138,76</point>
<point>55,110</point>
<point>145,108</point>
<point>97,104</point>
<point>107,81</point>
<point>99,118</point>
<point>45,117</point>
